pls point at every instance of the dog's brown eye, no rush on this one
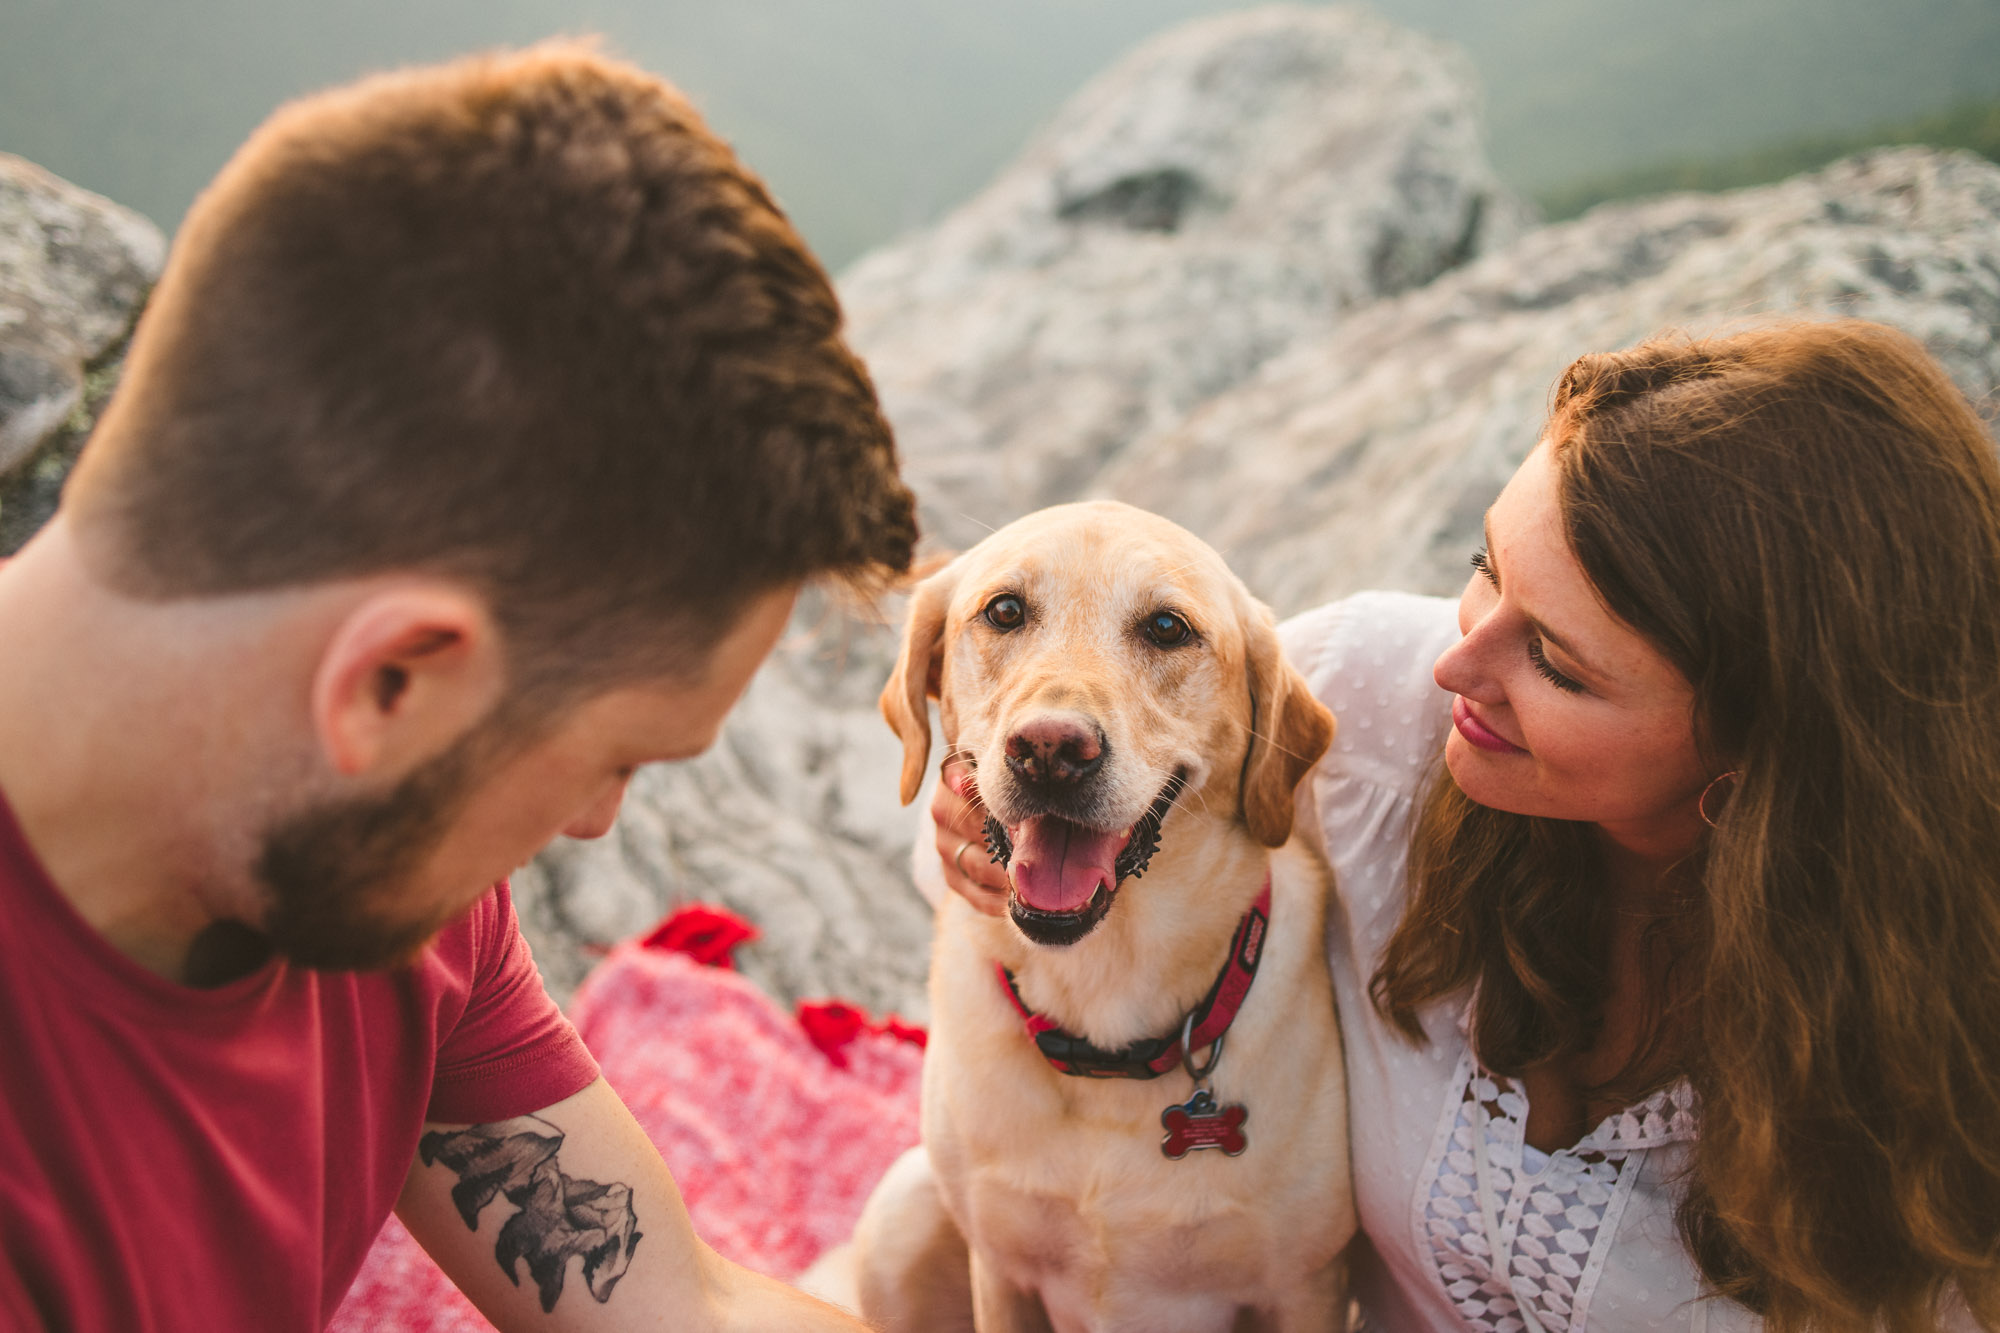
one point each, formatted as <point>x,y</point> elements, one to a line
<point>1167,629</point>
<point>1006,612</point>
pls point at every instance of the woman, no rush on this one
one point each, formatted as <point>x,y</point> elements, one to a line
<point>1676,985</point>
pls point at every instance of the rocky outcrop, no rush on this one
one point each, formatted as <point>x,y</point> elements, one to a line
<point>1231,188</point>
<point>74,269</point>
<point>1360,452</point>
<point>1361,458</point>
<point>1259,279</point>
<point>1234,188</point>
<point>1366,458</point>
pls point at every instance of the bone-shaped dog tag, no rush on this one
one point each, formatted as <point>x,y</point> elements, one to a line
<point>1200,1123</point>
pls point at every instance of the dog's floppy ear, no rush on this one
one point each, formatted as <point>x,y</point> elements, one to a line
<point>914,682</point>
<point>1289,731</point>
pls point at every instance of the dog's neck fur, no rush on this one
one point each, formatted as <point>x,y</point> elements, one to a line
<point>1158,949</point>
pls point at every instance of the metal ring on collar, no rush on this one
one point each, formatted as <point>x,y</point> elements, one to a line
<point>1187,1052</point>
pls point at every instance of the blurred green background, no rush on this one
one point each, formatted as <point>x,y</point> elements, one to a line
<point>872,116</point>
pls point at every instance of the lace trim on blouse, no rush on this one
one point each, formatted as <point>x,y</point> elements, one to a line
<point>1555,1223</point>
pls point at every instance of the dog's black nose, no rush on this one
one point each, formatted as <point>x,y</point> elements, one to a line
<point>1054,752</point>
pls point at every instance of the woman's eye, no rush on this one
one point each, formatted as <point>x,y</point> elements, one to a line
<point>1006,612</point>
<point>1484,566</point>
<point>1167,629</point>
<point>1548,669</point>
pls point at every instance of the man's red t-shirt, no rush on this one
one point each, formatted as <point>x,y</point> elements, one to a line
<point>181,1159</point>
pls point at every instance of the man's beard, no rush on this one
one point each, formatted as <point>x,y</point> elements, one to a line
<point>333,870</point>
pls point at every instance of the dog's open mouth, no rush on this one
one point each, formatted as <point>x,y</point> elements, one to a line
<point>1064,873</point>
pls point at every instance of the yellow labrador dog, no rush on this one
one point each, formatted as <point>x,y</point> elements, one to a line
<point>1128,712</point>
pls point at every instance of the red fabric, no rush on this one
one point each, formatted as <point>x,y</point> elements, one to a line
<point>710,934</point>
<point>774,1146</point>
<point>704,933</point>
<point>831,1025</point>
<point>178,1159</point>
<point>894,1026</point>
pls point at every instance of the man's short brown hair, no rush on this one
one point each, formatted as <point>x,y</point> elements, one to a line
<point>520,320</point>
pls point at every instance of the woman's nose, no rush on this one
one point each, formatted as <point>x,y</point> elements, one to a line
<point>1466,668</point>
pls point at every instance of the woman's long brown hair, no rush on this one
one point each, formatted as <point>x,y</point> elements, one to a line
<point>1805,520</point>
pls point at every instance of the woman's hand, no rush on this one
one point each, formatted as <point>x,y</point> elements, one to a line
<point>961,840</point>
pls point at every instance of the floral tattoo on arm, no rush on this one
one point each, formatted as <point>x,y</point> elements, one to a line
<point>557,1217</point>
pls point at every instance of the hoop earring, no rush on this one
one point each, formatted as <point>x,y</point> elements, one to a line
<point>1701,805</point>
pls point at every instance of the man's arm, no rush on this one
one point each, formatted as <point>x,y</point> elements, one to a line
<point>568,1220</point>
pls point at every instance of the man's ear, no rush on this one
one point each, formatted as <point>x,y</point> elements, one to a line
<point>916,679</point>
<point>405,673</point>
<point>1289,731</point>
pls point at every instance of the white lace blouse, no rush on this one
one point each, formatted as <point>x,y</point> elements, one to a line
<point>1467,1227</point>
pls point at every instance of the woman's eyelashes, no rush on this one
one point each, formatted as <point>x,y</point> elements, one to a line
<point>1536,657</point>
<point>1548,670</point>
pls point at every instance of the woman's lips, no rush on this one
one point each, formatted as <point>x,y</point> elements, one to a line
<point>1477,732</point>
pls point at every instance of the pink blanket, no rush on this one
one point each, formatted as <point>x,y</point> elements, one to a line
<point>776,1127</point>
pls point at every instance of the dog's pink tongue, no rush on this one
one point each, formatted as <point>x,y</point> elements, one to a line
<point>1058,865</point>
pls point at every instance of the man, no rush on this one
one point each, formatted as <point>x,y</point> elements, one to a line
<point>470,453</point>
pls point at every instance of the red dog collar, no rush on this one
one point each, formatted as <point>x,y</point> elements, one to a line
<point>1071,1054</point>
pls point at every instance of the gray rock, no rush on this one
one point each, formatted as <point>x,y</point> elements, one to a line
<point>74,269</point>
<point>1366,459</point>
<point>1233,187</point>
<point>1226,285</point>
<point>1362,458</point>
